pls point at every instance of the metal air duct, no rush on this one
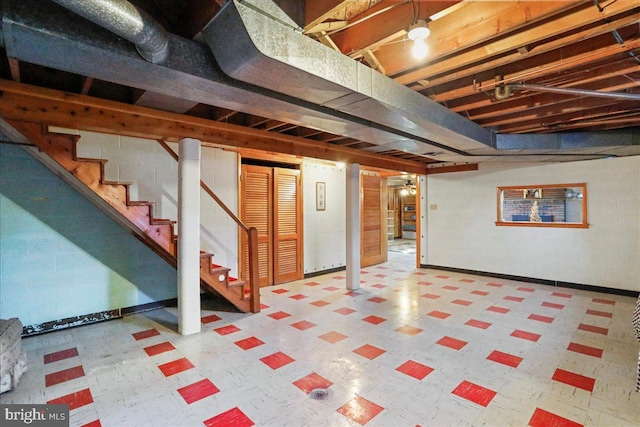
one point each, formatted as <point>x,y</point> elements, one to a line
<point>125,20</point>
<point>268,52</point>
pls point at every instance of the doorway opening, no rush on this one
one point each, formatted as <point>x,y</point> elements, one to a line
<point>402,214</point>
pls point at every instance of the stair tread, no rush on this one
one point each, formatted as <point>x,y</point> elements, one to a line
<point>125,183</point>
<point>88,159</point>
<point>138,203</point>
<point>161,221</point>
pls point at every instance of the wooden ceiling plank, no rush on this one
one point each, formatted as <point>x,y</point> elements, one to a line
<point>25,102</point>
<point>554,67</point>
<point>509,43</point>
<point>317,11</point>
<point>538,50</point>
<point>399,16</point>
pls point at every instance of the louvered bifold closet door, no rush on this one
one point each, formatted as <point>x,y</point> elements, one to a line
<point>373,248</point>
<point>287,237</point>
<point>257,182</point>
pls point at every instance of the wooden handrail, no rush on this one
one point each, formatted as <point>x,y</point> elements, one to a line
<point>252,235</point>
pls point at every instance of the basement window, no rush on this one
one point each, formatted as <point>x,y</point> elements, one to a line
<point>549,205</point>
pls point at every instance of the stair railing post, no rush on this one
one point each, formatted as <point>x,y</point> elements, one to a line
<point>254,270</point>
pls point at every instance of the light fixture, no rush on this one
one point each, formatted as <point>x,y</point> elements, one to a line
<point>418,32</point>
<point>409,188</point>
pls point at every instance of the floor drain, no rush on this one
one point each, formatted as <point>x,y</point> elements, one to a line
<point>319,393</point>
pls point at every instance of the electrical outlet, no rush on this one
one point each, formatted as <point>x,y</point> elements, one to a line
<point>433,207</point>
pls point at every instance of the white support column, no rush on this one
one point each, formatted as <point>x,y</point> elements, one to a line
<point>423,200</point>
<point>189,237</point>
<point>353,226</point>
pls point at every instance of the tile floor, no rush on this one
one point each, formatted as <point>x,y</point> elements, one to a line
<point>411,348</point>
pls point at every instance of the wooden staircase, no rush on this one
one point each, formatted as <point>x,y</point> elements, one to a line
<point>157,233</point>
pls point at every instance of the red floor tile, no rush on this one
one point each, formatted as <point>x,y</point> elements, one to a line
<point>497,309</point>
<point>210,319</point>
<point>595,329</point>
<point>585,349</point>
<point>320,303</point>
<point>495,285</point>
<point>312,284</point>
<point>339,277</point>
<point>279,315</point>
<point>474,393</point>
<point>516,299</point>
<point>561,295</point>
<point>62,376</point>
<point>573,379</point>
<point>552,305</point>
<point>542,418</point>
<point>377,299</point>
<point>504,358</point>
<point>478,324</point>
<point>378,286</point>
<point>450,342</point>
<point>603,301</point>
<point>303,325</point>
<point>382,276</point>
<point>344,310</point>
<point>280,291</point>
<point>353,293</point>
<point>298,297</point>
<point>360,410</point>
<point>163,347</point>
<point>369,351</point>
<point>198,390</point>
<point>409,330</point>
<point>420,273</point>
<point>66,354</point>
<point>525,335</point>
<point>277,360</point>
<point>330,288</point>
<point>540,318</point>
<point>226,330</point>
<point>438,314</point>
<point>461,302</point>
<point>450,288</point>
<point>467,280</point>
<point>481,293</point>
<point>233,417</point>
<point>430,296</point>
<point>332,337</point>
<point>423,283</point>
<point>375,320</point>
<point>523,289</point>
<point>95,423</point>
<point>175,367</point>
<point>249,343</point>
<point>600,313</point>
<point>74,400</point>
<point>414,369</point>
<point>263,306</point>
<point>312,381</point>
<point>442,277</point>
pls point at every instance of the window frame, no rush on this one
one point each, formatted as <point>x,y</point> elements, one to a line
<point>583,224</point>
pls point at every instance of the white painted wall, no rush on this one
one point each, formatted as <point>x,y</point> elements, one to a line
<point>462,233</point>
<point>154,177</point>
<point>324,231</point>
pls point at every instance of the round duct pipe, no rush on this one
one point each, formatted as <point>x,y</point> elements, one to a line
<point>124,19</point>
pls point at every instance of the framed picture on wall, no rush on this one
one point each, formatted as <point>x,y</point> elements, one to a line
<point>320,196</point>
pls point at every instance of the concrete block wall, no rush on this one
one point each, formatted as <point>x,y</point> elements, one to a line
<point>62,257</point>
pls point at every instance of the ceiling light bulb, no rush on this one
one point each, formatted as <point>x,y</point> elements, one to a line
<point>419,30</point>
<point>404,192</point>
<point>420,49</point>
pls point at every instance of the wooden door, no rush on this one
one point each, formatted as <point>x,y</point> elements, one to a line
<point>373,244</point>
<point>287,231</point>
<point>257,211</point>
<point>272,202</point>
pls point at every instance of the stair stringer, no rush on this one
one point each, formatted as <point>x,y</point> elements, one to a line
<point>57,152</point>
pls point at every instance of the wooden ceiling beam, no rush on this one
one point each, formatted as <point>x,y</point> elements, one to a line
<point>502,61</point>
<point>604,124</point>
<point>503,45</point>
<point>561,65</point>
<point>29,103</point>
<point>387,18</point>
<point>318,11</point>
